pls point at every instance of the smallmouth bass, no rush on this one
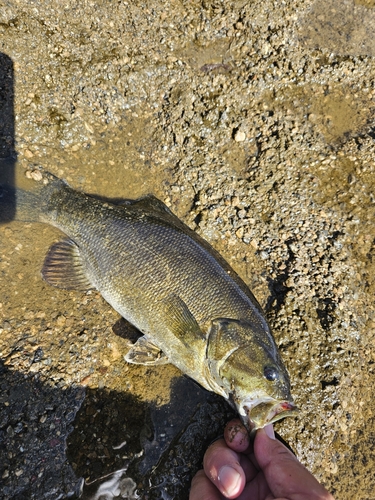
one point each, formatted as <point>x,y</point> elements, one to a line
<point>193,310</point>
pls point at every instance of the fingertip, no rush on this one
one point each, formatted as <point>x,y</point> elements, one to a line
<point>236,436</point>
<point>222,465</point>
<point>268,429</point>
<point>269,452</point>
<point>230,481</point>
<point>266,446</point>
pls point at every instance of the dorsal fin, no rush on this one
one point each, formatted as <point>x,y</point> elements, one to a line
<point>151,204</point>
<point>63,267</point>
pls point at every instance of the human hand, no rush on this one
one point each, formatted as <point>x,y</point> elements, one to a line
<point>265,470</point>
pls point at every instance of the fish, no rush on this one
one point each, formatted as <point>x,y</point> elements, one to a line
<point>190,306</point>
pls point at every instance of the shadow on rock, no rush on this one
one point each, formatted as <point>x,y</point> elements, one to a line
<point>7,141</point>
<point>35,419</point>
<point>128,449</point>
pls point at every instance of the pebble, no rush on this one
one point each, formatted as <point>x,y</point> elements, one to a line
<point>239,136</point>
<point>34,174</point>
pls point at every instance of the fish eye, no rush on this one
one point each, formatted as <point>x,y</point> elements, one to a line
<point>270,373</point>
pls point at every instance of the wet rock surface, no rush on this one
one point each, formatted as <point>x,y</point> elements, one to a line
<point>35,419</point>
<point>157,449</point>
<point>255,123</point>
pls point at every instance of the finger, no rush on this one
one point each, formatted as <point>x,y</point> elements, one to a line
<point>203,489</point>
<point>222,466</point>
<point>268,429</point>
<point>284,474</point>
<point>237,436</point>
<point>249,466</point>
<point>257,490</point>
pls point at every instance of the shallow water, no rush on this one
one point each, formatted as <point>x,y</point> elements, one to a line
<point>119,441</point>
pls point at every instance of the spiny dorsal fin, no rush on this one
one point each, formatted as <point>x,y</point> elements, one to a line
<point>63,267</point>
<point>151,204</point>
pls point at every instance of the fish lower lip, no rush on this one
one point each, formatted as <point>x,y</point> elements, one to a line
<point>281,410</point>
<point>286,406</point>
<point>268,413</point>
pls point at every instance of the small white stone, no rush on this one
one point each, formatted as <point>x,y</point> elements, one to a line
<point>36,175</point>
<point>240,136</point>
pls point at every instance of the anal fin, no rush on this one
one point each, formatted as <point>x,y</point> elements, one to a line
<point>144,352</point>
<point>63,267</point>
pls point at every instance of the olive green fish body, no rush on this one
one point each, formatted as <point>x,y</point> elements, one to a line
<point>192,308</point>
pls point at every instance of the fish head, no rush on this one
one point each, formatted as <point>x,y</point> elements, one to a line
<point>260,386</point>
<point>245,364</point>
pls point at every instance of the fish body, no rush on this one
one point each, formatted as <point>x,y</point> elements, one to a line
<point>191,307</point>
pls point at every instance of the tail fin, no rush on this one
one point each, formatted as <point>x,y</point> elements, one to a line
<point>27,205</point>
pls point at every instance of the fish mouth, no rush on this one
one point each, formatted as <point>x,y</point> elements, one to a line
<point>263,413</point>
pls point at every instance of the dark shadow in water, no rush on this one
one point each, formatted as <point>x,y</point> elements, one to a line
<point>7,135</point>
<point>124,448</point>
<point>46,446</point>
<point>278,289</point>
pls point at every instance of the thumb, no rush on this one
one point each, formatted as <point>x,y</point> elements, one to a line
<point>286,476</point>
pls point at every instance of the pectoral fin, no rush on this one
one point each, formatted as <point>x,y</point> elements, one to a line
<point>144,352</point>
<point>182,322</point>
<point>63,267</point>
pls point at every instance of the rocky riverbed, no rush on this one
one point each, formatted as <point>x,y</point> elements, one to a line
<point>254,122</point>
